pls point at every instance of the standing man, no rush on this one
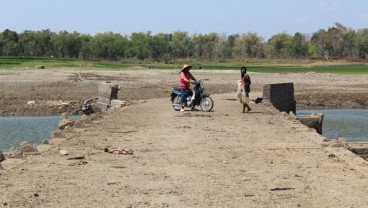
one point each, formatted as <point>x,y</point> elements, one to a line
<point>245,82</point>
<point>184,83</point>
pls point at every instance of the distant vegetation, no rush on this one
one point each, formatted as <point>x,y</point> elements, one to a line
<point>335,43</point>
<point>335,50</point>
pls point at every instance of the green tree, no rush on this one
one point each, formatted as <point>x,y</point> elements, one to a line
<point>181,45</point>
<point>205,45</point>
<point>362,43</point>
<point>221,48</point>
<point>298,46</point>
<point>313,50</point>
<point>330,42</point>
<point>230,45</point>
<point>199,42</point>
<point>249,45</point>
<point>1,44</point>
<point>108,45</point>
<point>337,36</point>
<point>321,41</point>
<point>67,45</point>
<point>29,44</point>
<point>36,43</point>
<point>160,46</point>
<point>279,44</point>
<point>9,43</point>
<point>139,45</point>
<point>86,48</point>
<point>349,43</point>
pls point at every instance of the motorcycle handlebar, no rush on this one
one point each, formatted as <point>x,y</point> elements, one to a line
<point>197,82</point>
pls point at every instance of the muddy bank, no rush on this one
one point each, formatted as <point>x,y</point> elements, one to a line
<point>33,93</point>
<point>29,99</point>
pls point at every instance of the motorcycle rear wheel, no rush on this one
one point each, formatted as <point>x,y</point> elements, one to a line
<point>206,104</point>
<point>176,103</point>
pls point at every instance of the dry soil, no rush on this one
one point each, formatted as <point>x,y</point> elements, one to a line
<point>221,158</point>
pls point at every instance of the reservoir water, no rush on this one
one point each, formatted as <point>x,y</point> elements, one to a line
<point>351,124</point>
<point>14,130</point>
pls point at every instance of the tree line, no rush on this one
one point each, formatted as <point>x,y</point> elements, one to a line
<point>337,42</point>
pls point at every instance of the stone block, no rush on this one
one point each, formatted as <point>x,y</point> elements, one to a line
<point>2,157</point>
<point>108,90</point>
<point>40,67</point>
<point>281,96</point>
<point>103,100</point>
<point>26,147</point>
<point>14,153</point>
<point>104,90</point>
<point>117,103</point>
<point>359,148</point>
<point>58,134</point>
<point>64,123</point>
<point>102,106</point>
<point>313,121</point>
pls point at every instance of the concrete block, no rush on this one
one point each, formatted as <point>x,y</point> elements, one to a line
<point>313,121</point>
<point>117,103</point>
<point>103,100</point>
<point>102,106</point>
<point>281,96</point>
<point>108,90</point>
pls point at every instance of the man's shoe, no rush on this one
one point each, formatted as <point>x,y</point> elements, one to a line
<point>182,109</point>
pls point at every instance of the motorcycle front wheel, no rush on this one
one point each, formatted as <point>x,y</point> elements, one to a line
<point>176,103</point>
<point>206,104</point>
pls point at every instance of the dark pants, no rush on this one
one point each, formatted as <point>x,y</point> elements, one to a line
<point>182,96</point>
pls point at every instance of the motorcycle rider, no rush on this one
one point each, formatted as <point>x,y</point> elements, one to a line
<point>184,83</point>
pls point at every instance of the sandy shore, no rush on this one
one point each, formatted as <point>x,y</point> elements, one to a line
<point>192,159</point>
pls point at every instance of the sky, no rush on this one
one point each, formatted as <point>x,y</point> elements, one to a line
<point>264,17</point>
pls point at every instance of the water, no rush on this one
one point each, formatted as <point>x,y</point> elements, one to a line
<point>351,124</point>
<point>14,130</point>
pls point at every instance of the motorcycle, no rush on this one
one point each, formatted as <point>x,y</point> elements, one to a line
<point>197,97</point>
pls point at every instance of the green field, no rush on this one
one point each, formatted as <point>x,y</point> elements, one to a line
<point>258,65</point>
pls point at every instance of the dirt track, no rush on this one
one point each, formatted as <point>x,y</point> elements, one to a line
<point>191,159</point>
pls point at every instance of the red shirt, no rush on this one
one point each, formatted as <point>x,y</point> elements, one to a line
<point>183,84</point>
<point>246,81</point>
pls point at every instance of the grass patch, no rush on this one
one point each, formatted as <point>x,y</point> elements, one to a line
<point>334,69</point>
<point>50,63</point>
<point>262,66</point>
